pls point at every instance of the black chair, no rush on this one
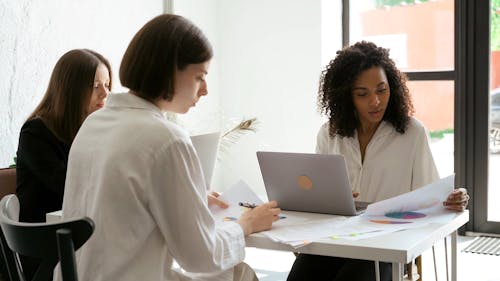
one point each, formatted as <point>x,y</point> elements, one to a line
<point>7,186</point>
<point>49,242</point>
<point>7,181</point>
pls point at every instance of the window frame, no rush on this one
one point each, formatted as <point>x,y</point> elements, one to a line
<point>471,124</point>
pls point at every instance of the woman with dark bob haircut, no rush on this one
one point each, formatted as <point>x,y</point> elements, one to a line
<point>143,184</point>
<point>386,150</point>
<point>78,86</point>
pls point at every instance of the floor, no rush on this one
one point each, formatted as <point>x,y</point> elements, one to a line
<point>274,265</point>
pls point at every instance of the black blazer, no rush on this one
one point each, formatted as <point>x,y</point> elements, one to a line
<point>42,160</point>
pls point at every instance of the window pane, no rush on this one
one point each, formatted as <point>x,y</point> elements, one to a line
<point>419,33</point>
<point>494,161</point>
<point>434,107</point>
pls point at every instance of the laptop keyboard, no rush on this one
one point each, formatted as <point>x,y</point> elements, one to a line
<point>360,205</point>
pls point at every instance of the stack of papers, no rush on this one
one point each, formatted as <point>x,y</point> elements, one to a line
<point>293,228</point>
<point>299,229</point>
<point>410,210</point>
<point>423,205</point>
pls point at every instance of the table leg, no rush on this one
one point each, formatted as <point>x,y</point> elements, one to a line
<point>454,236</point>
<point>377,271</point>
<point>397,271</point>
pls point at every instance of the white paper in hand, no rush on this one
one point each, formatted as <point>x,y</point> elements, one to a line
<point>426,197</point>
<point>239,192</point>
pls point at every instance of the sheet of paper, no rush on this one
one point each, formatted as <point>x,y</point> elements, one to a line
<point>298,229</point>
<point>239,192</point>
<point>359,227</point>
<point>429,197</point>
<point>410,210</point>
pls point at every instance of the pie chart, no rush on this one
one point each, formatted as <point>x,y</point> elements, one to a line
<point>405,215</point>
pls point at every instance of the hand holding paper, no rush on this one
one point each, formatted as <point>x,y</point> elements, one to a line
<point>239,192</point>
<point>457,200</point>
<point>214,200</point>
<point>429,196</point>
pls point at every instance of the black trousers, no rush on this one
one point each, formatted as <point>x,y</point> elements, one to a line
<point>319,268</point>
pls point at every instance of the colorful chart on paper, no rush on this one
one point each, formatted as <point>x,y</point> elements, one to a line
<point>390,222</point>
<point>405,215</point>
<point>400,215</point>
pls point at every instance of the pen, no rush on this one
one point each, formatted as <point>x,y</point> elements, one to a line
<point>252,205</point>
<point>247,205</point>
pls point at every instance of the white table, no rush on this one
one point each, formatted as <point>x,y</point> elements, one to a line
<point>398,248</point>
<point>53,216</point>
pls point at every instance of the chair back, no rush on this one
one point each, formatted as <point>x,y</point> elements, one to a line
<point>7,181</point>
<point>8,186</point>
<point>49,242</point>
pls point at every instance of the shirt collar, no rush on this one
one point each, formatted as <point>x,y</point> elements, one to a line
<point>128,100</point>
<point>383,129</point>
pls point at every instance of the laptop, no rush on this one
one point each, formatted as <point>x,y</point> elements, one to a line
<point>316,183</point>
<point>207,146</point>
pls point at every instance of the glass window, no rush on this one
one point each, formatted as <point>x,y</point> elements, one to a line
<point>434,107</point>
<point>420,34</point>
<point>494,132</point>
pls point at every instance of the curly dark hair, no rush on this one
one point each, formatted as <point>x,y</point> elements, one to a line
<point>335,88</point>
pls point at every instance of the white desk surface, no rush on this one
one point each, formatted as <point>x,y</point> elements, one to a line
<point>397,247</point>
<point>401,247</point>
<point>53,216</point>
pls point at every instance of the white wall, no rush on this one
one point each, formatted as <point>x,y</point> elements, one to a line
<point>205,117</point>
<point>268,59</point>
<point>34,34</point>
<point>269,69</point>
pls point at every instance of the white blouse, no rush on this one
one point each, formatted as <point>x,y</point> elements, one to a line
<point>138,177</point>
<point>394,163</point>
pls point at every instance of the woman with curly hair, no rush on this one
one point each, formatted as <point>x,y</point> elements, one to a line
<point>387,151</point>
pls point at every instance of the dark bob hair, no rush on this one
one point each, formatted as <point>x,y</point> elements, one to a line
<point>163,45</point>
<point>64,105</point>
<point>335,89</point>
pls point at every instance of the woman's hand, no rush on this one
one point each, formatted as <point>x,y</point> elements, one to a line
<point>457,200</point>
<point>259,218</point>
<point>214,200</point>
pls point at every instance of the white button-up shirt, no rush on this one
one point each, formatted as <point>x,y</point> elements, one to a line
<point>138,177</point>
<point>394,163</point>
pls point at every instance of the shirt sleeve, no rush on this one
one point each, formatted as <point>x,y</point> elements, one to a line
<point>424,168</point>
<point>178,202</point>
<point>38,151</point>
<point>322,140</point>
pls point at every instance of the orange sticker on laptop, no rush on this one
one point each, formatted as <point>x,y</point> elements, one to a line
<point>304,182</point>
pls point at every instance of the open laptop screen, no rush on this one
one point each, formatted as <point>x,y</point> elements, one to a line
<point>307,182</point>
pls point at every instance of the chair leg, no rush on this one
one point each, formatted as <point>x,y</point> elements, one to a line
<point>9,259</point>
<point>409,269</point>
<point>418,261</point>
<point>66,255</point>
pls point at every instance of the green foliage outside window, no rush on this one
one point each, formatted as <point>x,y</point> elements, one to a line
<point>440,133</point>
<point>495,25</point>
<point>390,3</point>
<point>13,166</point>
